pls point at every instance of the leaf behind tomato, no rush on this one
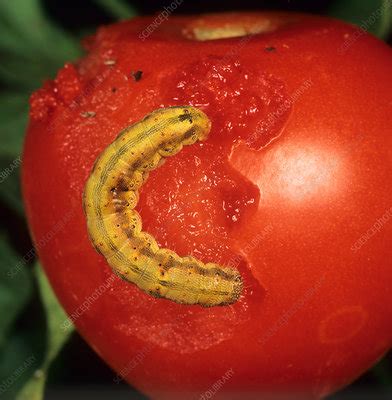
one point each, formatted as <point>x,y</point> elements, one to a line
<point>56,338</point>
<point>375,16</point>
<point>15,288</point>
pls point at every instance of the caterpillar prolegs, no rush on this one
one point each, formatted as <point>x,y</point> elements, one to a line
<point>115,228</point>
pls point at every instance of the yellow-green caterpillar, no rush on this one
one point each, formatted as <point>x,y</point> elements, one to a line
<point>115,228</point>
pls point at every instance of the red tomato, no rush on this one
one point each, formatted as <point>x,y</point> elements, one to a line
<point>293,187</point>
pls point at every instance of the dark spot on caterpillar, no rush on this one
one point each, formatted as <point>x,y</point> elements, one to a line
<point>144,251</point>
<point>137,164</point>
<point>136,75</point>
<point>119,204</point>
<point>97,248</point>
<point>189,133</point>
<point>185,117</point>
<point>122,185</point>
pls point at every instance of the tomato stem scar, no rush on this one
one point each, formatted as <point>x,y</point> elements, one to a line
<point>115,228</point>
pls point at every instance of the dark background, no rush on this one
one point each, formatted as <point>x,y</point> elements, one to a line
<point>87,12</point>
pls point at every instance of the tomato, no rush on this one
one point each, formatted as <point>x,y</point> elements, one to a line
<point>292,187</point>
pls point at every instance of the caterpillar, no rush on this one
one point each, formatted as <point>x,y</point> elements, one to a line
<point>115,227</point>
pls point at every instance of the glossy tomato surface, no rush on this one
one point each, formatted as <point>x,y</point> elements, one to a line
<point>293,187</point>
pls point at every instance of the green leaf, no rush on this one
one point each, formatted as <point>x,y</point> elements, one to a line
<point>13,122</point>
<point>27,74</point>
<point>15,287</point>
<point>55,317</point>
<point>375,16</point>
<point>24,23</point>
<point>56,338</point>
<point>32,48</point>
<point>18,361</point>
<point>118,9</point>
<point>10,192</point>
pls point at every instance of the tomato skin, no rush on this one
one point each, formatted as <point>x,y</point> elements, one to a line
<point>316,311</point>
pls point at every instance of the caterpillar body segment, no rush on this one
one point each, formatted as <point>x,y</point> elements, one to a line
<point>115,228</point>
